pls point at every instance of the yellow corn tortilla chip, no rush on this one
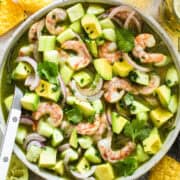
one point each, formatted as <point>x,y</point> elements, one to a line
<point>32,6</point>
<point>11,14</point>
<point>166,169</point>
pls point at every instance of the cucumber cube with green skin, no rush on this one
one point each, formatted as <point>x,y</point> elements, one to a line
<point>142,116</point>
<point>164,94</point>
<point>73,141</point>
<point>173,104</point>
<point>71,100</point>
<point>91,155</point>
<point>164,62</point>
<point>118,123</point>
<point>47,157</point>
<point>8,102</point>
<point>76,27</point>
<point>95,9</point>
<point>141,156</point>
<point>21,134</point>
<point>59,168</point>
<point>57,137</point>
<point>33,153</point>
<point>103,68</point>
<point>22,71</point>
<point>83,165</point>
<point>109,34</point>
<point>44,129</point>
<point>75,12</point>
<point>128,99</point>
<point>171,77</point>
<point>73,155</point>
<point>107,23</point>
<point>83,78</point>
<point>30,101</point>
<point>92,45</point>
<point>66,73</point>
<point>46,43</point>
<point>66,35</point>
<point>51,56</point>
<point>98,106</point>
<point>85,142</point>
<point>137,107</point>
<point>92,26</point>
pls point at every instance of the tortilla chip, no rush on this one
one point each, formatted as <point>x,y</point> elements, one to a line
<point>166,169</point>
<point>11,14</point>
<point>32,6</point>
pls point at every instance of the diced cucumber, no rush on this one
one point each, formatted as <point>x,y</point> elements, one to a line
<point>47,157</point>
<point>92,45</point>
<point>85,142</point>
<point>21,134</point>
<point>75,12</point>
<point>59,168</point>
<point>164,62</point>
<point>76,27</point>
<point>142,116</point>
<point>107,23</point>
<point>137,107</point>
<point>51,56</point>
<point>44,129</point>
<point>57,137</point>
<point>71,100</point>
<point>73,141</point>
<point>171,77</point>
<point>30,101</point>
<point>8,102</point>
<point>109,34</point>
<point>139,77</point>
<point>66,73</point>
<point>173,103</point>
<point>98,106</point>
<point>46,43</point>
<point>128,99</point>
<point>73,155</point>
<point>91,155</point>
<point>83,166</point>
<point>141,156</point>
<point>66,35</point>
<point>33,153</point>
<point>95,9</point>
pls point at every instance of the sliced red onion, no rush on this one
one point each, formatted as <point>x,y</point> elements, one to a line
<point>26,120</point>
<point>128,20</point>
<point>117,21</point>
<point>34,143</point>
<point>132,63</point>
<point>36,54</point>
<point>108,116</point>
<point>33,137</point>
<point>63,88</point>
<point>84,175</point>
<point>64,147</point>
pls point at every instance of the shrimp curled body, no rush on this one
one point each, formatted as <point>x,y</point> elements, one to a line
<point>53,110</point>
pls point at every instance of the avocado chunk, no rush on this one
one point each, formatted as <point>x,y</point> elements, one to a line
<point>51,56</point>
<point>75,12</point>
<point>141,156</point>
<point>171,77</point>
<point>33,153</point>
<point>66,73</point>
<point>107,23</point>
<point>95,9</point>
<point>46,43</point>
<point>73,155</point>
<point>83,165</point>
<point>152,144</point>
<point>98,106</point>
<point>76,27</point>
<point>47,157</point>
<point>8,102</point>
<point>44,129</point>
<point>159,116</point>
<point>59,168</point>
<point>164,94</point>
<point>137,107</point>
<point>66,35</point>
<point>122,69</point>
<point>91,155</point>
<point>57,137</point>
<point>118,123</point>
<point>166,60</point>
<point>21,134</point>
<point>30,101</point>
<point>22,71</point>
<point>92,26</point>
<point>85,142</point>
<point>48,91</point>
<point>104,69</point>
<point>83,78</point>
<point>86,108</point>
<point>104,171</point>
<point>73,141</point>
<point>109,34</point>
<point>173,104</point>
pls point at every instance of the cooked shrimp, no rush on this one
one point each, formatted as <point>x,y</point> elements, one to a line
<point>53,18</point>
<point>35,30</point>
<point>83,57</point>
<point>53,110</point>
<point>109,155</point>
<point>109,51</point>
<point>141,42</point>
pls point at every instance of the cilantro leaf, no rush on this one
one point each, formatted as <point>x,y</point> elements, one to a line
<point>125,40</point>
<point>137,130</point>
<point>48,71</point>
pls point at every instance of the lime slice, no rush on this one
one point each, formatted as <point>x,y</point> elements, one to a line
<point>17,170</point>
<point>176,6</point>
